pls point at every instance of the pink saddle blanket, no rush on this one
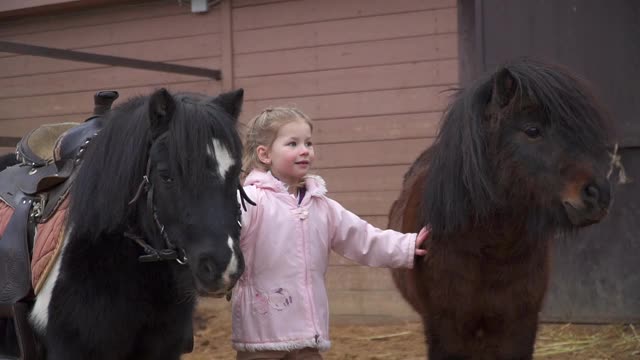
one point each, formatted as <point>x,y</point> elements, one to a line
<point>48,242</point>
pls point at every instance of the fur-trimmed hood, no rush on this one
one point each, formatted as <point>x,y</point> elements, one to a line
<point>314,184</point>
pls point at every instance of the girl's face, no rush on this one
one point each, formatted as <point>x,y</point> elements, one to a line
<point>291,154</point>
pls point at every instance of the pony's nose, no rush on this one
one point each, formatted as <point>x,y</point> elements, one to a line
<point>591,205</point>
<point>218,272</point>
<point>209,270</point>
<point>598,196</point>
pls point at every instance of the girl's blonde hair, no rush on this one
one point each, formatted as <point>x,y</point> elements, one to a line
<point>263,130</point>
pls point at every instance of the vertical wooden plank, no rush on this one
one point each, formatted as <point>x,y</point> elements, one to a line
<point>471,53</point>
<point>227,45</point>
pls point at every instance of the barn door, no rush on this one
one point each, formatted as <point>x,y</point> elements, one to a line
<point>596,277</point>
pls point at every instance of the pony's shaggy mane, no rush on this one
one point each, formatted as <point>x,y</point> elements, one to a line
<point>116,159</point>
<point>460,189</point>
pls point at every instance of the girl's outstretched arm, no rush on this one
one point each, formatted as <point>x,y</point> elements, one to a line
<point>365,244</point>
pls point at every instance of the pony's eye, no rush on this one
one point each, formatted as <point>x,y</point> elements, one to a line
<point>533,132</point>
<point>166,179</point>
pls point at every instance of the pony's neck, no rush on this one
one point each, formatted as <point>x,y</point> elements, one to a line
<point>510,235</point>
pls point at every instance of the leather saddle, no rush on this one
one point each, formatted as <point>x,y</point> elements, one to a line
<point>50,156</point>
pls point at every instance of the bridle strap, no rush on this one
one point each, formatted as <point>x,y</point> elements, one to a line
<point>144,185</point>
<point>152,254</point>
<point>142,188</point>
<point>171,252</point>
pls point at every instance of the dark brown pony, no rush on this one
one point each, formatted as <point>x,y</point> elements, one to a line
<point>521,157</point>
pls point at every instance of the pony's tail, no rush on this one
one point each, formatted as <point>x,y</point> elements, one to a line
<point>8,339</point>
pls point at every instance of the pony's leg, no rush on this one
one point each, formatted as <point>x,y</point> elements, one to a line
<point>519,344</point>
<point>159,349</point>
<point>437,352</point>
<point>441,340</point>
<point>78,329</point>
<point>170,341</point>
<point>513,343</point>
<point>158,354</point>
<point>60,352</point>
<point>68,348</point>
<point>168,345</point>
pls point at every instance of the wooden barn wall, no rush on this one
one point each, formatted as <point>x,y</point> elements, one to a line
<point>37,90</point>
<point>373,74</point>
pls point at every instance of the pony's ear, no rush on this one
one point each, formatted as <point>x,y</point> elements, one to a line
<point>231,102</point>
<point>161,109</point>
<point>504,88</point>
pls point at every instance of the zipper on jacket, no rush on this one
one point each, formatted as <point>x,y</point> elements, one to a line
<point>307,277</point>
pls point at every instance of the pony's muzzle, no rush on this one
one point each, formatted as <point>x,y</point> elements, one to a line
<point>591,205</point>
<point>216,275</point>
<point>209,278</point>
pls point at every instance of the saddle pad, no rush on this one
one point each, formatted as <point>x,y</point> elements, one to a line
<point>48,242</point>
<point>48,245</point>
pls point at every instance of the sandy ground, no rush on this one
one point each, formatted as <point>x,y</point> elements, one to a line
<point>405,341</point>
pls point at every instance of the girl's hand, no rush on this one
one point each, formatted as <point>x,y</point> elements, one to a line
<point>422,236</point>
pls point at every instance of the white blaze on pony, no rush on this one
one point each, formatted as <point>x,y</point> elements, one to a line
<point>232,268</point>
<point>221,155</point>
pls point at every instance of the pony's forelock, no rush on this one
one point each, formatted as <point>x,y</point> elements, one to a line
<point>197,124</point>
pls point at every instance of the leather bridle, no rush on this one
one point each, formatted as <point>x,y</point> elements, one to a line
<point>171,251</point>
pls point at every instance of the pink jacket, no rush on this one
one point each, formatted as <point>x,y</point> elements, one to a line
<point>280,302</point>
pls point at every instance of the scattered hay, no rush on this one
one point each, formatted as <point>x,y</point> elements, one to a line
<point>406,341</point>
<point>387,336</point>
<point>588,342</point>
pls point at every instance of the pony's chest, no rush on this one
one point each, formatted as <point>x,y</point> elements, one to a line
<point>485,282</point>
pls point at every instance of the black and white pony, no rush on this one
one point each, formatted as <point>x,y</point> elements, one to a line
<point>153,221</point>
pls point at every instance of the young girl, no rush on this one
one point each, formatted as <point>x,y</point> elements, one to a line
<point>279,306</point>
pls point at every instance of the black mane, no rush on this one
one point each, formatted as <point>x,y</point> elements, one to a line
<point>460,188</point>
<point>7,160</point>
<point>116,160</point>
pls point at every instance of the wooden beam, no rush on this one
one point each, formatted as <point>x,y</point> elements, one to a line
<point>25,49</point>
<point>9,141</point>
